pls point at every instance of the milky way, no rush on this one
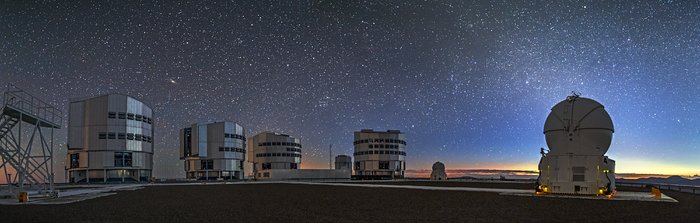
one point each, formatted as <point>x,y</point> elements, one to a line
<point>469,82</point>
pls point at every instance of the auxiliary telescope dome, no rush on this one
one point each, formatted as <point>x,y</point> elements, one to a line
<point>578,126</point>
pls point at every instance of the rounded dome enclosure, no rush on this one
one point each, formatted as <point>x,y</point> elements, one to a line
<point>438,172</point>
<point>439,166</point>
<point>578,126</point>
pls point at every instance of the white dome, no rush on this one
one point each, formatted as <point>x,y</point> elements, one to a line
<point>578,126</point>
<point>438,172</point>
<point>438,166</point>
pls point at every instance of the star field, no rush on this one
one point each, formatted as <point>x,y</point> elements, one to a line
<point>469,82</point>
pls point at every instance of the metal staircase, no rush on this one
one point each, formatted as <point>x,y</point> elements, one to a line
<point>6,124</point>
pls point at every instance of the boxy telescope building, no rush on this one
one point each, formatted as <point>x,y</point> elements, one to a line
<point>578,132</point>
<point>213,151</point>
<point>110,139</point>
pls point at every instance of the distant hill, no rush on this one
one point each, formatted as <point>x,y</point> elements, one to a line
<point>669,180</point>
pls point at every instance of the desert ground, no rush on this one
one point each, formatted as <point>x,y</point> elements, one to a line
<point>319,203</point>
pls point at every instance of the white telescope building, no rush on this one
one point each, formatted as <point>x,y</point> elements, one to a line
<point>578,132</point>
<point>379,155</point>
<point>213,151</point>
<point>273,151</point>
<point>110,139</point>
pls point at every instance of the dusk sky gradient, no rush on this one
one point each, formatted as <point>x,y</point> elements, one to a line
<point>470,82</point>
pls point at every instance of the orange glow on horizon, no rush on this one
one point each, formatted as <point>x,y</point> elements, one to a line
<point>638,168</point>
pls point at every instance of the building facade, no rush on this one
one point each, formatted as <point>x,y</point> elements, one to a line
<point>213,151</point>
<point>110,139</point>
<point>379,155</point>
<point>273,151</point>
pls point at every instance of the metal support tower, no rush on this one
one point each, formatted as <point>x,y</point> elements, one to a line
<point>27,127</point>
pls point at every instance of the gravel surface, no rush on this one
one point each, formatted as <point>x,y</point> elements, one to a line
<point>307,203</point>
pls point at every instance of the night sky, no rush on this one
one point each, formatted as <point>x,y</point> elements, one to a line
<point>470,83</point>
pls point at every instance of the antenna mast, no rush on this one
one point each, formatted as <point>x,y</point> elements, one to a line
<point>330,156</point>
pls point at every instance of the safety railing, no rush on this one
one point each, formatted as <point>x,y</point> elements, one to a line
<point>675,187</point>
<point>20,100</point>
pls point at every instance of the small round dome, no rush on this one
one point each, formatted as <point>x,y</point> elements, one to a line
<point>438,172</point>
<point>578,126</point>
<point>439,166</point>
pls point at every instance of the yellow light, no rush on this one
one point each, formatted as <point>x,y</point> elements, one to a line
<point>600,191</point>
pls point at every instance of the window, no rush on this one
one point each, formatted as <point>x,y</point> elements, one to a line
<point>383,165</point>
<point>111,135</point>
<point>130,116</point>
<point>121,135</point>
<point>293,166</point>
<point>139,118</point>
<point>266,166</point>
<point>102,135</point>
<point>122,159</point>
<point>130,136</point>
<point>357,165</point>
<point>579,173</point>
<point>139,137</point>
<point>112,115</point>
<point>74,160</point>
<point>122,115</point>
<point>207,164</point>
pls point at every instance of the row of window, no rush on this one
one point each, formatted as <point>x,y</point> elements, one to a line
<point>383,165</point>
<point>383,152</point>
<point>379,141</point>
<point>231,149</point>
<point>293,150</point>
<point>127,136</point>
<point>383,146</point>
<point>130,116</point>
<point>234,136</point>
<point>279,144</point>
<point>278,154</point>
<point>266,166</point>
<point>121,159</point>
<point>209,164</point>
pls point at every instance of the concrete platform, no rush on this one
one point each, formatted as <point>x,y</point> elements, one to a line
<point>74,195</point>
<point>619,196</point>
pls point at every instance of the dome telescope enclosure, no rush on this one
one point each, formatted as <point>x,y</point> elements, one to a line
<point>578,126</point>
<point>578,132</point>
